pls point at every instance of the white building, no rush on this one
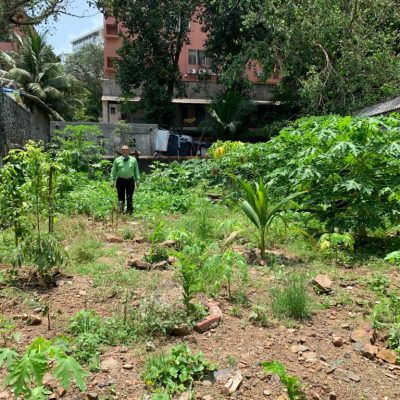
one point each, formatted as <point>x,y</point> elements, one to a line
<point>95,37</point>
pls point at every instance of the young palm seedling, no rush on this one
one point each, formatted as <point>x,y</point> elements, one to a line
<point>260,211</point>
<point>291,383</point>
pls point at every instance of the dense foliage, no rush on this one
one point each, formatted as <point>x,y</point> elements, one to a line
<point>150,61</point>
<point>350,168</point>
<point>87,65</point>
<point>335,58</point>
<point>35,67</point>
<point>36,11</point>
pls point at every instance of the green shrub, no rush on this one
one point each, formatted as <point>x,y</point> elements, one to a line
<point>387,311</point>
<point>156,254</point>
<point>93,198</point>
<point>379,283</point>
<point>259,315</point>
<point>291,300</point>
<point>45,253</point>
<point>394,337</point>
<point>349,167</point>
<point>85,251</point>
<point>174,371</point>
<point>25,372</point>
<point>291,383</point>
<point>84,321</point>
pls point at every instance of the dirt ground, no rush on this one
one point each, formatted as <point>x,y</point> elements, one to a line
<point>327,371</point>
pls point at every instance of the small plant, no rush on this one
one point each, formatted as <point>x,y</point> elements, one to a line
<point>157,253</point>
<point>291,300</point>
<point>379,283</point>
<point>45,253</point>
<point>128,234</point>
<point>85,251</point>
<point>387,311</point>
<point>394,337</point>
<point>84,321</point>
<point>329,242</point>
<point>259,211</point>
<point>87,350</point>
<point>231,361</point>
<point>173,372</point>
<point>259,315</point>
<point>236,311</point>
<point>6,329</point>
<point>188,277</point>
<point>291,383</point>
<point>26,372</point>
<point>393,257</point>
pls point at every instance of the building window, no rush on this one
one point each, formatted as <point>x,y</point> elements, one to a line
<point>198,57</point>
<point>110,62</point>
<point>112,29</point>
<point>112,110</point>
<point>192,59</point>
<point>203,60</point>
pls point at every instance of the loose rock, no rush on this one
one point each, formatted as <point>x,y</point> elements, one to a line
<point>113,239</point>
<point>138,263</point>
<point>233,383</point>
<point>363,336</point>
<point>299,348</point>
<point>211,321</point>
<point>387,355</point>
<point>109,364</point>
<point>370,351</point>
<point>323,283</point>
<point>181,330</point>
<point>33,320</point>
<point>354,377</point>
<point>337,341</point>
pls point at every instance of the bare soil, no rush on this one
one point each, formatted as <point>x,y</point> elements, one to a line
<point>331,373</point>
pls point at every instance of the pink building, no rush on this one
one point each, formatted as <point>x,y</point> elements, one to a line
<point>192,64</point>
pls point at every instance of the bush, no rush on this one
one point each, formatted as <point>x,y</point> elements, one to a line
<point>26,371</point>
<point>172,372</point>
<point>348,165</point>
<point>291,300</point>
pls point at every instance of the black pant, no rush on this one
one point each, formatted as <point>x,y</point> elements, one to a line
<point>125,186</point>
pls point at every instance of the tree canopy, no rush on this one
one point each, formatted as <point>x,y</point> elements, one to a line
<point>86,65</point>
<point>150,61</point>
<point>334,57</point>
<point>33,11</point>
<point>35,67</point>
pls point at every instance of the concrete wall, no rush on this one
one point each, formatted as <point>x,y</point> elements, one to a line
<point>18,124</point>
<point>141,136</point>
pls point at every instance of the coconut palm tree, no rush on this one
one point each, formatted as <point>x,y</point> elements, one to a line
<point>35,67</point>
<point>227,112</point>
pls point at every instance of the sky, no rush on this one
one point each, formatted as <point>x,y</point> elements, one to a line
<point>67,27</point>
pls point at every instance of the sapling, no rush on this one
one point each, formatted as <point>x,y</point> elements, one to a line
<point>189,280</point>
<point>260,211</point>
<point>291,383</point>
<point>25,372</point>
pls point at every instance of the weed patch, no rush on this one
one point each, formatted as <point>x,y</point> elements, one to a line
<point>291,300</point>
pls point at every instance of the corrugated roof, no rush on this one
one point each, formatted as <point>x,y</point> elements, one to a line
<point>380,108</point>
<point>187,101</point>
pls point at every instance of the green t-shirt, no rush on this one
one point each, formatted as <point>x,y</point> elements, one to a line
<point>125,169</point>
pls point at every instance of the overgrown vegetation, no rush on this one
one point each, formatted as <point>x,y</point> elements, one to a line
<point>60,227</point>
<point>175,371</point>
<point>25,372</point>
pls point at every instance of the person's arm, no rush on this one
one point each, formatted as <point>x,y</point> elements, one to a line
<point>136,171</point>
<point>113,175</point>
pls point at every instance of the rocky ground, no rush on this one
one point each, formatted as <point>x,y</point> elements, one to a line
<point>336,354</point>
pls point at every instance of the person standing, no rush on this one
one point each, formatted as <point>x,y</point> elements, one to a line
<point>125,174</point>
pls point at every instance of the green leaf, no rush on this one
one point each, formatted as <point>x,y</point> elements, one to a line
<point>7,356</point>
<point>68,369</point>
